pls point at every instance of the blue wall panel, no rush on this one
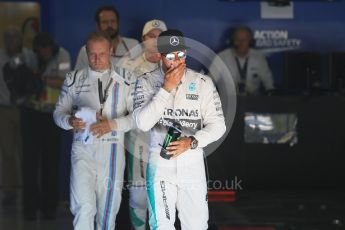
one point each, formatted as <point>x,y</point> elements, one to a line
<point>319,25</point>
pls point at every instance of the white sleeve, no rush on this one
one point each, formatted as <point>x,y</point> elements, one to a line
<point>63,107</point>
<point>130,102</point>
<point>148,107</point>
<point>127,123</point>
<point>213,71</point>
<point>212,115</point>
<point>82,60</point>
<point>266,74</point>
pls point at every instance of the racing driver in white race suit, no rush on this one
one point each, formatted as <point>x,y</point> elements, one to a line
<point>176,93</point>
<point>101,96</point>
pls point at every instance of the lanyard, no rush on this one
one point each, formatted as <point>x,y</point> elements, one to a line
<point>102,95</point>
<point>242,70</point>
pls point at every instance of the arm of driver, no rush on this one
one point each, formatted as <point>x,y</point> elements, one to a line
<point>212,114</point>
<point>148,107</point>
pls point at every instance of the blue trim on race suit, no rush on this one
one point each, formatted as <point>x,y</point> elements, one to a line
<point>112,167</point>
<point>110,187</point>
<point>114,104</point>
<point>150,172</point>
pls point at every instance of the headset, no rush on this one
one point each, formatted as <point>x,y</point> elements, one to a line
<point>240,28</point>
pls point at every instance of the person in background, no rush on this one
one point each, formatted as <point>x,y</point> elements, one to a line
<point>108,20</point>
<point>16,68</point>
<point>137,141</point>
<point>248,67</point>
<point>95,102</point>
<point>41,138</point>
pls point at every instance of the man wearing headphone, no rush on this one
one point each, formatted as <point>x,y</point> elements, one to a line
<point>108,20</point>
<point>248,66</point>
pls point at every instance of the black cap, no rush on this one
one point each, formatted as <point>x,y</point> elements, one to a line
<point>170,41</point>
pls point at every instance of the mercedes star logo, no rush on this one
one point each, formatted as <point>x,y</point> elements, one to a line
<point>155,23</point>
<point>174,41</point>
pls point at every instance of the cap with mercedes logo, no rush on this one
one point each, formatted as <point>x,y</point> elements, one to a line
<point>154,24</point>
<point>170,41</point>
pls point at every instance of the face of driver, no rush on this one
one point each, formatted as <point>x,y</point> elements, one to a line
<point>173,59</point>
<point>99,54</point>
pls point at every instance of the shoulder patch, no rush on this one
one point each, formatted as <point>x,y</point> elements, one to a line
<point>72,78</point>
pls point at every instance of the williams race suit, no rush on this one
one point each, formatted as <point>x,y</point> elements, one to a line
<point>97,167</point>
<point>179,182</point>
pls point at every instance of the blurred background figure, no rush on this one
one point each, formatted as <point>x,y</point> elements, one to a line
<point>54,63</point>
<point>30,28</point>
<point>150,58</point>
<point>248,67</point>
<point>16,81</point>
<point>108,19</point>
<point>41,138</point>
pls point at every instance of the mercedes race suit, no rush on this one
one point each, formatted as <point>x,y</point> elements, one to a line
<point>179,182</point>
